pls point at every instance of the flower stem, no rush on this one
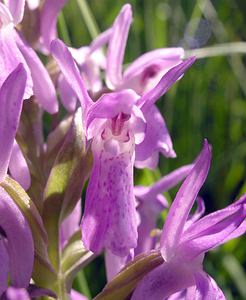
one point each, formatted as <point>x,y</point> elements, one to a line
<point>88,18</point>
<point>218,50</point>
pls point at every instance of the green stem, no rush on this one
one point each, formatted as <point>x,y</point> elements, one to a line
<point>63,29</point>
<point>88,18</point>
<point>218,50</point>
<point>82,284</point>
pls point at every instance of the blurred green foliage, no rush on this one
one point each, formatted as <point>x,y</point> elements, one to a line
<point>209,101</point>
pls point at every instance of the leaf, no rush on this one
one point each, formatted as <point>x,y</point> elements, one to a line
<point>74,257</point>
<point>64,186</point>
<point>124,283</point>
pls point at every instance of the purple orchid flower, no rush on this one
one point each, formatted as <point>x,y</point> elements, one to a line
<point>183,247</point>
<point>115,124</point>
<point>143,76</point>
<point>150,202</point>
<point>14,50</point>
<point>16,244</point>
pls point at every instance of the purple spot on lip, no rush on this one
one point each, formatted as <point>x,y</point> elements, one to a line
<point>149,72</point>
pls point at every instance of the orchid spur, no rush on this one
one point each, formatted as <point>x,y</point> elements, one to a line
<point>181,275</point>
<point>114,124</point>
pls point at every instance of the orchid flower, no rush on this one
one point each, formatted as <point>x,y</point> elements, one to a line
<point>14,50</point>
<point>144,76</point>
<point>150,202</point>
<point>16,244</point>
<point>114,124</point>
<point>183,247</point>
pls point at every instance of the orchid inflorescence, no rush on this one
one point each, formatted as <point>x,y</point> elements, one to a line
<point>112,125</point>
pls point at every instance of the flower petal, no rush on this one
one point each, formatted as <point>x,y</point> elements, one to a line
<point>114,264</point>
<point>212,219</point>
<point>165,84</point>
<point>18,167</point>
<point>183,203</point>
<point>77,296</point>
<point>70,224</point>
<point>151,162</point>
<point>48,19</point>
<point>200,210</point>
<point>16,8</point>
<point>150,68</point>
<point>20,243</point>
<point>110,218</point>
<point>236,233</point>
<point>100,40</point>
<point>35,292</point>
<point>169,181</point>
<point>206,288</point>
<point>110,105</point>
<point>148,219</point>
<point>214,235</point>
<point>11,57</point>
<point>157,138</point>
<point>5,17</point>
<point>163,281</point>
<point>43,87</point>
<point>16,294</point>
<point>166,54</point>
<point>4,271</point>
<point>116,47</point>
<point>11,98</point>
<point>67,94</point>
<point>70,72</point>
